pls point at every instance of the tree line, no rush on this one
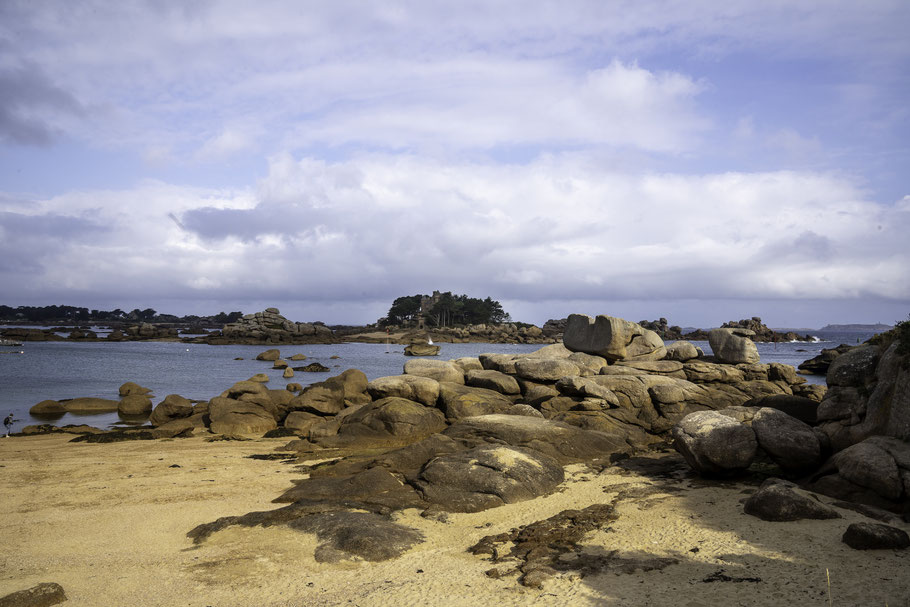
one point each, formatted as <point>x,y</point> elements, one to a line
<point>445,310</point>
<point>69,314</point>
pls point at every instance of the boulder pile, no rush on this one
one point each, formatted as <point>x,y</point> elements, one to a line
<point>269,327</point>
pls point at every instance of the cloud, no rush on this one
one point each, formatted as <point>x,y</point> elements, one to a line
<point>555,229</point>
<point>31,106</point>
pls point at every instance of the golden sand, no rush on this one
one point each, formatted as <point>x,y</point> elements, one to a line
<point>109,521</point>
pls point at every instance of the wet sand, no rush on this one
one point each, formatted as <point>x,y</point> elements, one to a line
<point>109,521</point>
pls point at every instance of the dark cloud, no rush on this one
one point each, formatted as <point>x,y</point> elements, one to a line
<point>29,105</point>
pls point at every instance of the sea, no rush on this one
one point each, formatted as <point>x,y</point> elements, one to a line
<point>59,370</point>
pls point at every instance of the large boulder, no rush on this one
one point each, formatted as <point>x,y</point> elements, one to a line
<point>90,405</point>
<point>51,408</point>
<point>420,389</point>
<point>492,380</point>
<point>172,407</point>
<point>792,444</point>
<point>779,500</point>
<point>545,369</point>
<point>875,536</point>
<point>440,370</point>
<point>682,351</point>
<point>135,404</point>
<point>130,388</point>
<point>458,401</point>
<point>714,444</point>
<point>392,419</point>
<point>421,349</point>
<point>868,395</point>
<point>41,595</point>
<point>733,345</point>
<point>237,417</point>
<point>487,477</point>
<point>566,443</point>
<point>612,338</point>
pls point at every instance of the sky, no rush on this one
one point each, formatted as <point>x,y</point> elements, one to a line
<point>700,161</point>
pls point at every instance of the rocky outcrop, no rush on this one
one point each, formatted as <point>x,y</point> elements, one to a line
<point>733,346</point>
<point>760,332</point>
<point>440,370</point>
<point>612,338</point>
<point>819,365</point>
<point>663,329</point>
<point>270,327</point>
<point>868,395</point>
<point>421,349</point>
<point>715,444</point>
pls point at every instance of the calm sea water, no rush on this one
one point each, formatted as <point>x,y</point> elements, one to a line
<point>61,370</point>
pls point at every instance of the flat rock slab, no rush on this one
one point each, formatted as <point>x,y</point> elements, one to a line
<point>363,535</point>
<point>42,595</point>
<point>487,477</point>
<point>566,443</point>
<point>875,536</point>
<point>778,500</point>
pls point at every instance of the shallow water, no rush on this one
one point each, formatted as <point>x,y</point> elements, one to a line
<point>62,370</point>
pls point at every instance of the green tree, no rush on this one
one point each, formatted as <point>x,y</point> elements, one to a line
<point>404,310</point>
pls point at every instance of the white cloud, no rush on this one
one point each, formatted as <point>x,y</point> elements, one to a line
<point>553,229</point>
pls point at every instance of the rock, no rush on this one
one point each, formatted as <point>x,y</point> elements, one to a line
<point>586,388</point>
<point>313,368</point>
<point>230,416</point>
<point>132,388</point>
<point>458,401</point>
<point>261,378</point>
<point>487,477</point>
<point>588,364</point>
<point>42,595</point>
<point>177,427</point>
<point>172,407</point>
<point>269,355</point>
<point>297,357</point>
<point>784,373</point>
<point>302,421</point>
<point>468,363</point>
<point>364,535</point>
<point>667,368</point>
<point>492,380</point>
<point>522,409</point>
<point>420,389</point>
<point>814,392</point>
<point>854,368</point>
<point>294,387</point>
<point>565,443</point>
<point>733,346</point>
<point>504,363</point>
<point>714,444</point>
<point>875,536</point>
<point>789,442</point>
<point>820,364</point>
<point>868,395</point>
<point>402,420</point>
<point>288,373</point>
<point>322,398</point>
<point>545,370</point>
<point>419,349</point>
<point>440,370</point>
<point>280,364</point>
<point>47,407</point>
<point>612,338</point>
<point>869,464</point>
<point>135,404</point>
<point>801,408</point>
<point>703,372</point>
<point>779,500</point>
<point>90,405</point>
<point>681,351</point>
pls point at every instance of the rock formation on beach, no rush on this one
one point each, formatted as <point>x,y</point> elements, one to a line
<point>269,327</point>
<point>468,435</point>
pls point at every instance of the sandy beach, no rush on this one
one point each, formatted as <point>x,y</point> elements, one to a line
<point>109,521</point>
